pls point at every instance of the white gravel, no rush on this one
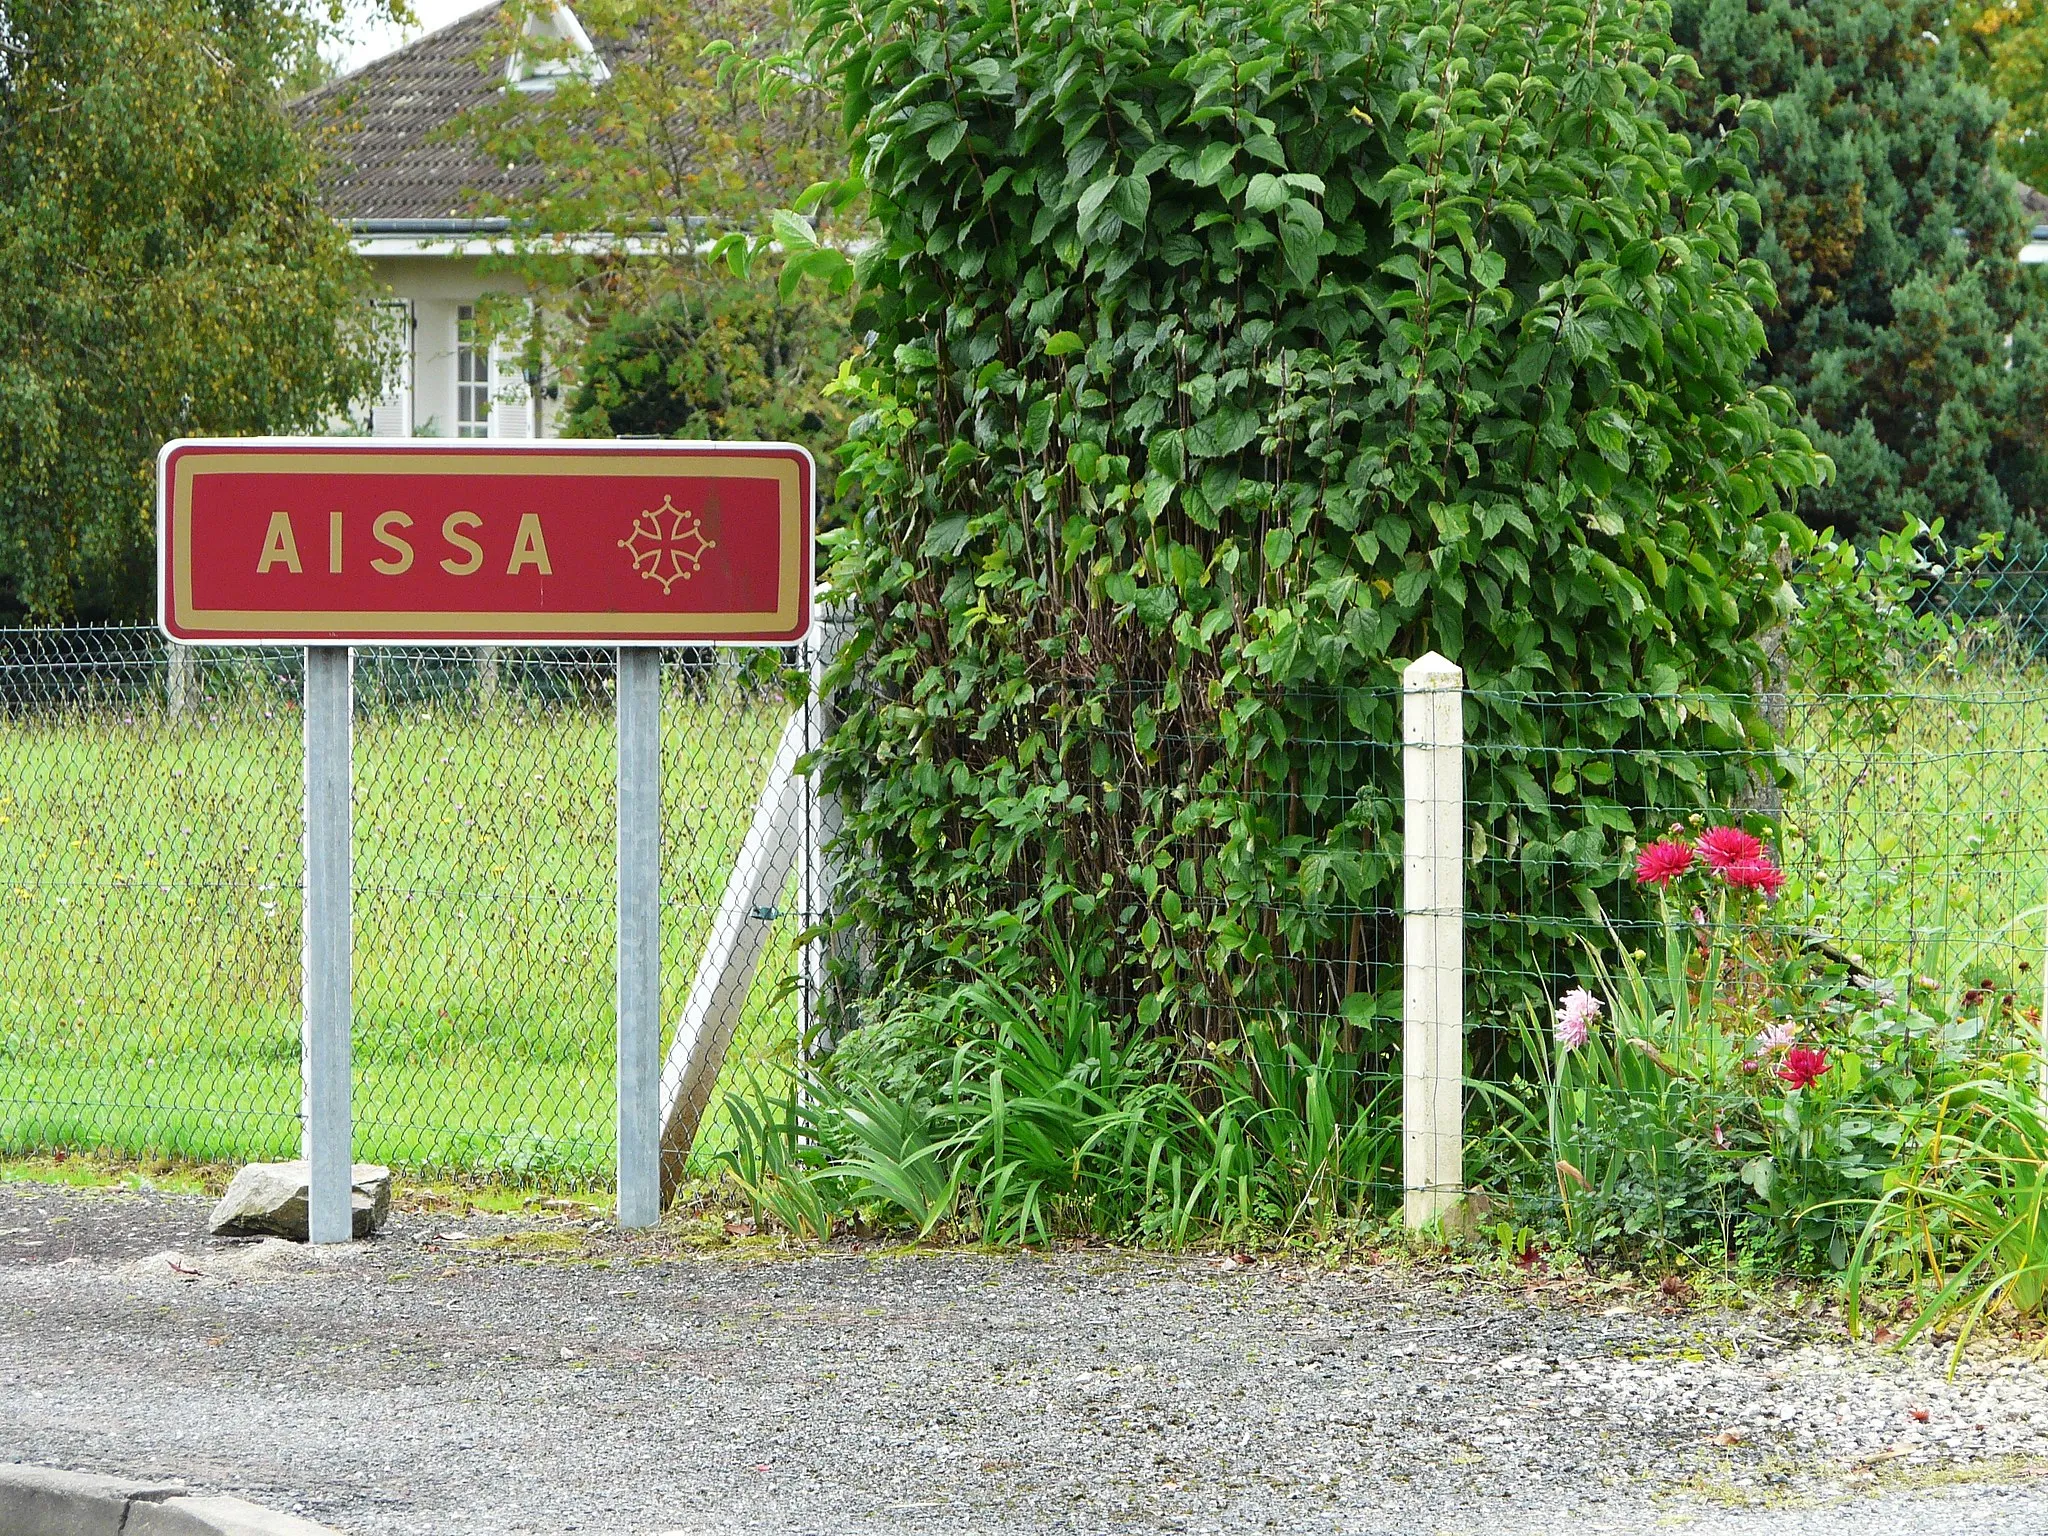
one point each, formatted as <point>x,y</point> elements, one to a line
<point>425,1383</point>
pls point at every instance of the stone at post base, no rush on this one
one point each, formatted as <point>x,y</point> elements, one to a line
<point>270,1200</point>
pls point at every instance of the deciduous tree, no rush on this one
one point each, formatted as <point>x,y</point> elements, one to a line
<point>697,129</point>
<point>2003,45</point>
<point>167,272</point>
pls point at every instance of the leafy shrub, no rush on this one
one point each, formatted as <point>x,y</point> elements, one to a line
<point>1040,1108</point>
<point>1862,632</point>
<point>1967,1212</point>
<point>1226,357</point>
<point>732,361</point>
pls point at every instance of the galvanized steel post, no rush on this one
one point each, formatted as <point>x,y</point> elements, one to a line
<point>639,980</point>
<point>327,1134</point>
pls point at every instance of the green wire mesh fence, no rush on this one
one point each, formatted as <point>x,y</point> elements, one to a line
<point>2003,607</point>
<point>150,869</point>
<point>1852,929</point>
<point>1785,976</point>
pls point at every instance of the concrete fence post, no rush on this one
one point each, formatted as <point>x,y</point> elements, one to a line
<point>1433,936</point>
<point>822,822</point>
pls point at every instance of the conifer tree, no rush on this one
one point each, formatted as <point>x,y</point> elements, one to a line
<point>1910,338</point>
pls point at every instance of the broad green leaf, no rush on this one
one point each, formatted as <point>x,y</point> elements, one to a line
<point>1266,192</point>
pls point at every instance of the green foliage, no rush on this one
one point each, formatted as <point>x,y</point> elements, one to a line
<point>700,131</point>
<point>2003,45</point>
<point>1967,1212</point>
<point>1861,631</point>
<point>1018,1117</point>
<point>701,127</point>
<point>1911,339</point>
<point>741,363</point>
<point>168,273</point>
<point>1304,1132</point>
<point>780,1164</point>
<point>1226,358</point>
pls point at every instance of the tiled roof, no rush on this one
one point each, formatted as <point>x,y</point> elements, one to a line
<point>382,130</point>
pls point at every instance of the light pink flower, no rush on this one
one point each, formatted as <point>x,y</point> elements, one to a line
<point>1777,1037</point>
<point>1575,1016</point>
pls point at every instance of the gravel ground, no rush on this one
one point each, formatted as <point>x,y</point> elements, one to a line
<point>526,1375</point>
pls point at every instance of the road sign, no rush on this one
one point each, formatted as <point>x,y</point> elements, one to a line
<point>333,543</point>
<point>371,542</point>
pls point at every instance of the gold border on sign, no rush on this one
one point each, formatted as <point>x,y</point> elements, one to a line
<point>786,472</point>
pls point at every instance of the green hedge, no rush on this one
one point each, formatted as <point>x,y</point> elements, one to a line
<point>1227,358</point>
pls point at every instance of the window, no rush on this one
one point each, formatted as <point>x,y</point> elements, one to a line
<point>472,377</point>
<point>553,47</point>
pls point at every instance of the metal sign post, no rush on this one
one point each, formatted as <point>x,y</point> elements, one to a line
<point>328,1143</point>
<point>639,993</point>
<point>329,544</point>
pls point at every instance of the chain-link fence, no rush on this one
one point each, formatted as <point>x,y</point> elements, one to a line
<point>150,862</point>
<point>1762,1045</point>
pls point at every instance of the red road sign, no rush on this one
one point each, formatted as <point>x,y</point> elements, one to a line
<point>367,542</point>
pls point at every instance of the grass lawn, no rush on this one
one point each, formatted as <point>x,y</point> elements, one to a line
<point>149,926</point>
<point>1925,846</point>
<point>149,906</point>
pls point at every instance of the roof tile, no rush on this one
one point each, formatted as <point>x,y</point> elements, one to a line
<point>383,130</point>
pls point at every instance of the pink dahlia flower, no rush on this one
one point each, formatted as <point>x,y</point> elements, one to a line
<point>1757,874</point>
<point>1802,1065</point>
<point>1722,847</point>
<point>1661,863</point>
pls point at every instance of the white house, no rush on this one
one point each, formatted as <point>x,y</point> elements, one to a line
<point>405,189</point>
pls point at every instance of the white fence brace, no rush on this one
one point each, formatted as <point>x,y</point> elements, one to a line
<point>739,933</point>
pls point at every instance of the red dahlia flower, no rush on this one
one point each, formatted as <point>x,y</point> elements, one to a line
<point>1802,1065</point>
<point>1661,863</point>
<point>1757,874</point>
<point>1724,846</point>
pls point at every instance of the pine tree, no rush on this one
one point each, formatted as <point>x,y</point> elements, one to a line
<point>1906,332</point>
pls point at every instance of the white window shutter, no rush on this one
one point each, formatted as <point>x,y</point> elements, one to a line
<point>511,400</point>
<point>391,412</point>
